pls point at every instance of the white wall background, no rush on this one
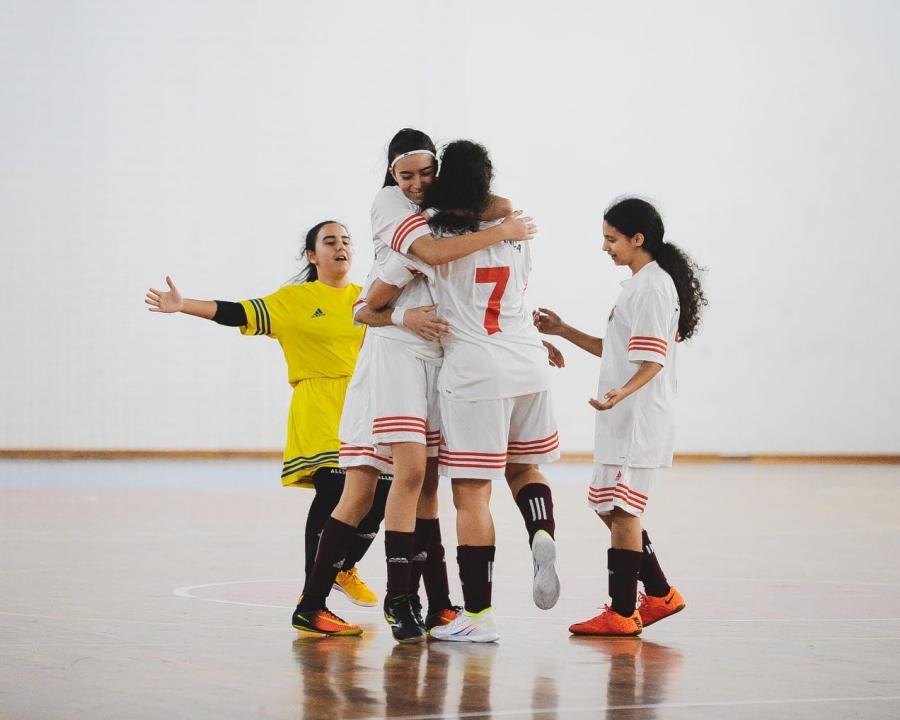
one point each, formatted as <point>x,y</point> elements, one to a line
<point>201,139</point>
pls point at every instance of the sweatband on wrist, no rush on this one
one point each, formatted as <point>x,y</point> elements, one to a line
<point>397,317</point>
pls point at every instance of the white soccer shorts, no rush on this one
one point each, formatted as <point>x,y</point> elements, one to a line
<point>620,486</point>
<point>480,437</point>
<point>392,398</point>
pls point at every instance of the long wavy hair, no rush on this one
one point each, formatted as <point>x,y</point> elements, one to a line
<point>631,216</point>
<point>406,140</point>
<point>462,190</point>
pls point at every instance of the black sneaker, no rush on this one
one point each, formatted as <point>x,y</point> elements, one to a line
<point>416,606</point>
<point>399,614</point>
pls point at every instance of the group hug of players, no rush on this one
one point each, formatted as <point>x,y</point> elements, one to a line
<point>436,367</point>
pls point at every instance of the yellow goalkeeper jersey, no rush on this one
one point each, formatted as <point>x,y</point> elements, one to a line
<point>313,323</point>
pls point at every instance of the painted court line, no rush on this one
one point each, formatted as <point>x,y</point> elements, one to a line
<point>186,592</point>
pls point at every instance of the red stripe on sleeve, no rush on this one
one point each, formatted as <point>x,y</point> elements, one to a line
<point>405,228</point>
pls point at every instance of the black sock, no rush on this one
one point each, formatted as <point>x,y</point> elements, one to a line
<point>329,483</point>
<point>652,576</point>
<point>398,552</point>
<point>535,502</point>
<point>420,552</point>
<point>336,538</point>
<point>476,570</point>
<point>624,566</point>
<point>437,586</point>
<point>368,526</point>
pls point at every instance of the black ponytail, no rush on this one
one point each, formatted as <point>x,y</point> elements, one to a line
<point>406,140</point>
<point>632,216</point>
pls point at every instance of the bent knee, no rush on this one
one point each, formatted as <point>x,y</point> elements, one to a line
<point>516,470</point>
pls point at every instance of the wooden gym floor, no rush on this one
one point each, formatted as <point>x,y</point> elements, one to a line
<point>153,589</point>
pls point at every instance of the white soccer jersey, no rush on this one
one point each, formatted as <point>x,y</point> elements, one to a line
<point>396,223</point>
<point>643,325</point>
<point>494,351</point>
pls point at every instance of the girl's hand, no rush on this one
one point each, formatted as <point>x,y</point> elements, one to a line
<point>547,321</point>
<point>165,302</point>
<point>610,400</point>
<point>424,323</point>
<point>517,227</point>
<point>555,356</point>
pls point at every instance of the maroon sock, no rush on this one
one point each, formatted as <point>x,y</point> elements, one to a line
<point>333,545</point>
<point>420,552</point>
<point>624,566</point>
<point>398,551</point>
<point>535,502</point>
<point>476,570</point>
<point>437,586</point>
<point>652,576</point>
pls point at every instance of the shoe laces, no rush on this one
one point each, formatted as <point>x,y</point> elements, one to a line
<point>331,616</point>
<point>351,577</point>
<point>641,597</point>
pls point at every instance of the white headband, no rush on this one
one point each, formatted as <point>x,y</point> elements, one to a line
<point>407,154</point>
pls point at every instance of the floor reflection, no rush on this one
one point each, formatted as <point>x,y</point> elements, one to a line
<point>640,673</point>
<point>341,681</point>
<point>335,681</point>
<point>366,678</point>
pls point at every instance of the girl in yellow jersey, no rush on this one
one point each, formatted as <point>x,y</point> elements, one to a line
<point>311,318</point>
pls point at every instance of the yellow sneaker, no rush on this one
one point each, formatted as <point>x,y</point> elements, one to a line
<point>352,585</point>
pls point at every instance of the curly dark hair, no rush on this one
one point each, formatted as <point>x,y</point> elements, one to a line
<point>631,216</point>
<point>462,190</point>
<point>404,141</point>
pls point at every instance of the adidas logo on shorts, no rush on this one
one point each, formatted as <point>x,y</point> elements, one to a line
<point>318,313</point>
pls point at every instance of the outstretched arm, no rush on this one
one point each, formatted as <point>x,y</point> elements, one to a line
<point>437,252</point>
<point>224,313</point>
<point>549,323</point>
<point>645,373</point>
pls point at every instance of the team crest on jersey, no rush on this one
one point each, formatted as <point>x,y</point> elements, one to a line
<point>318,313</point>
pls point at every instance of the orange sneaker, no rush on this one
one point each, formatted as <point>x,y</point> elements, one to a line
<point>609,624</point>
<point>323,622</point>
<point>444,616</point>
<point>653,609</point>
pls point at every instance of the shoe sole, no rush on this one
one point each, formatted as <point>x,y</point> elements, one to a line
<point>663,617</point>
<point>596,634</point>
<point>466,638</point>
<point>353,599</point>
<point>546,588</point>
<point>409,641</point>
<point>338,633</point>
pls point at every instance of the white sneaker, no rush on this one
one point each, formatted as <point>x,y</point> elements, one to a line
<point>469,627</point>
<point>545,589</point>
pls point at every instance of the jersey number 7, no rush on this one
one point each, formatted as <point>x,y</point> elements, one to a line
<point>498,276</point>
